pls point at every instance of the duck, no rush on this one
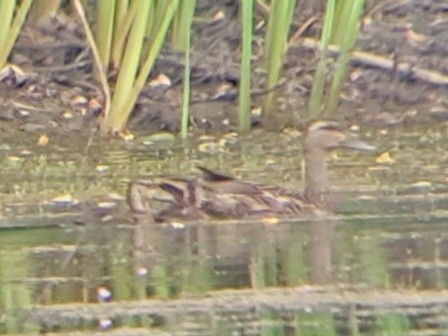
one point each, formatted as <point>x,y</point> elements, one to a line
<point>218,195</point>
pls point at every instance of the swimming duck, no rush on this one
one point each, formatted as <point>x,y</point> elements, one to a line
<point>217,195</point>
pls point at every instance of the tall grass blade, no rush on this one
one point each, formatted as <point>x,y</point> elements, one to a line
<point>96,57</point>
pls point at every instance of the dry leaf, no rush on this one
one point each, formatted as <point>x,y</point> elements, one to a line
<point>219,16</point>
<point>43,140</point>
<point>161,79</point>
<point>385,158</point>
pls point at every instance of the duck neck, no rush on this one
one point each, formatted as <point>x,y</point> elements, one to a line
<point>317,184</point>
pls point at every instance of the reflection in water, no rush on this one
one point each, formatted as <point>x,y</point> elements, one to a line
<point>173,261</point>
<point>321,252</point>
<point>229,256</point>
<point>242,255</point>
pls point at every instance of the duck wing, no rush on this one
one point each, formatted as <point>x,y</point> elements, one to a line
<point>225,184</point>
<point>185,192</point>
<point>212,176</point>
<point>179,192</point>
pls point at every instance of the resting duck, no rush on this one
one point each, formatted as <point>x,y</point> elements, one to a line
<point>216,195</point>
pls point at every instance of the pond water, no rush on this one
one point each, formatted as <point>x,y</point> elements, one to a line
<point>72,261</point>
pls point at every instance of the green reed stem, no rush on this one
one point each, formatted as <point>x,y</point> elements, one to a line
<point>124,17</point>
<point>244,94</point>
<point>104,32</point>
<point>122,108</point>
<point>317,91</point>
<point>7,8</point>
<point>181,27</point>
<point>187,10</point>
<point>348,28</point>
<point>119,113</point>
<point>276,41</point>
<point>42,9</point>
<point>11,26</point>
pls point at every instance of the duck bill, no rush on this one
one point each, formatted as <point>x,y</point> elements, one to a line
<point>358,145</point>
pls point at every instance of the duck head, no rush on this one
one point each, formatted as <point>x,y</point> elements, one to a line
<point>321,138</point>
<point>330,135</point>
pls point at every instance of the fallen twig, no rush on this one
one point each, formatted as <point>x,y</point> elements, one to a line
<point>405,69</point>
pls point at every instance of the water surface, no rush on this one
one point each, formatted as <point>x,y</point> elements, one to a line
<point>379,267</point>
